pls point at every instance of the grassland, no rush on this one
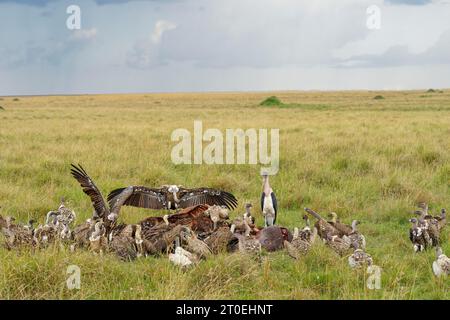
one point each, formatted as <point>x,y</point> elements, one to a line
<point>365,158</point>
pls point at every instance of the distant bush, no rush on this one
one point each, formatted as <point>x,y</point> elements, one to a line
<point>16,99</point>
<point>1,108</point>
<point>271,101</point>
<point>431,90</point>
<point>378,97</point>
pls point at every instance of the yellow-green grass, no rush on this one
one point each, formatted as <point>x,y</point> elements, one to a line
<point>364,158</point>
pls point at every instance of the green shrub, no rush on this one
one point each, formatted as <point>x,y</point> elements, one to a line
<point>378,97</point>
<point>271,101</point>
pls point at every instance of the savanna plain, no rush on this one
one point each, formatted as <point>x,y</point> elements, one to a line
<point>366,158</point>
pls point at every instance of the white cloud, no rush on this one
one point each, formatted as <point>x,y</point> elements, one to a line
<point>161,26</point>
<point>146,52</point>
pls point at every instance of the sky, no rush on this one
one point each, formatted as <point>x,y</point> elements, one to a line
<point>126,46</point>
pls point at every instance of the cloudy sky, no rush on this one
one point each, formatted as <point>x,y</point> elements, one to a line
<point>223,45</point>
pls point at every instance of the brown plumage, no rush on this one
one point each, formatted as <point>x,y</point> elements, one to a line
<point>110,214</point>
<point>339,245</point>
<point>324,229</point>
<point>16,235</point>
<point>195,245</point>
<point>249,246</point>
<point>430,225</point>
<point>219,240</point>
<point>342,228</point>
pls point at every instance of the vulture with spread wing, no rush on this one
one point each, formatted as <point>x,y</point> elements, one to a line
<point>108,214</point>
<point>171,197</point>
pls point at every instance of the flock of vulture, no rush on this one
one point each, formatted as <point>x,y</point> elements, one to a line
<point>201,227</point>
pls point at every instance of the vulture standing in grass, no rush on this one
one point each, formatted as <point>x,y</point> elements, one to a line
<point>323,227</point>
<point>342,228</point>
<point>356,237</point>
<point>339,245</point>
<point>16,235</point>
<point>306,233</point>
<point>359,258</point>
<point>299,245</point>
<point>418,236</point>
<point>269,204</point>
<point>441,267</point>
<point>171,197</point>
<point>430,226</point>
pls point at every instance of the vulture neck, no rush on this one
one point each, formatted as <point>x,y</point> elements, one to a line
<point>175,198</point>
<point>333,218</point>
<point>354,226</point>
<point>266,186</point>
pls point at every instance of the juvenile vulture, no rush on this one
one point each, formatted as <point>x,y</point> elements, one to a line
<point>418,236</point>
<point>323,227</point>
<point>441,267</point>
<point>339,245</point>
<point>442,219</point>
<point>341,227</point>
<point>249,246</point>
<point>359,258</point>
<point>430,226</point>
<point>269,206</point>
<point>356,237</point>
<point>171,197</point>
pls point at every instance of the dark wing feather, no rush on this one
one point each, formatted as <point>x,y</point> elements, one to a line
<point>90,189</point>
<point>194,197</point>
<point>275,205</point>
<point>262,201</point>
<point>138,196</point>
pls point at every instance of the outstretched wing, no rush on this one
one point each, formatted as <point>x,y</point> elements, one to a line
<point>194,197</point>
<point>90,189</point>
<point>138,196</point>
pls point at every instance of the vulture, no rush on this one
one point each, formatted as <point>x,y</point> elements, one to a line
<point>171,197</point>
<point>418,236</point>
<point>441,267</point>
<point>194,244</point>
<point>298,246</point>
<point>182,257</point>
<point>249,246</point>
<point>430,226</point>
<point>101,210</point>
<point>248,215</point>
<point>442,219</point>
<point>342,228</point>
<point>339,245</point>
<point>323,227</point>
<point>98,239</point>
<point>359,258</point>
<point>219,240</point>
<point>16,235</point>
<point>306,234</point>
<point>356,237</point>
<point>269,206</point>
